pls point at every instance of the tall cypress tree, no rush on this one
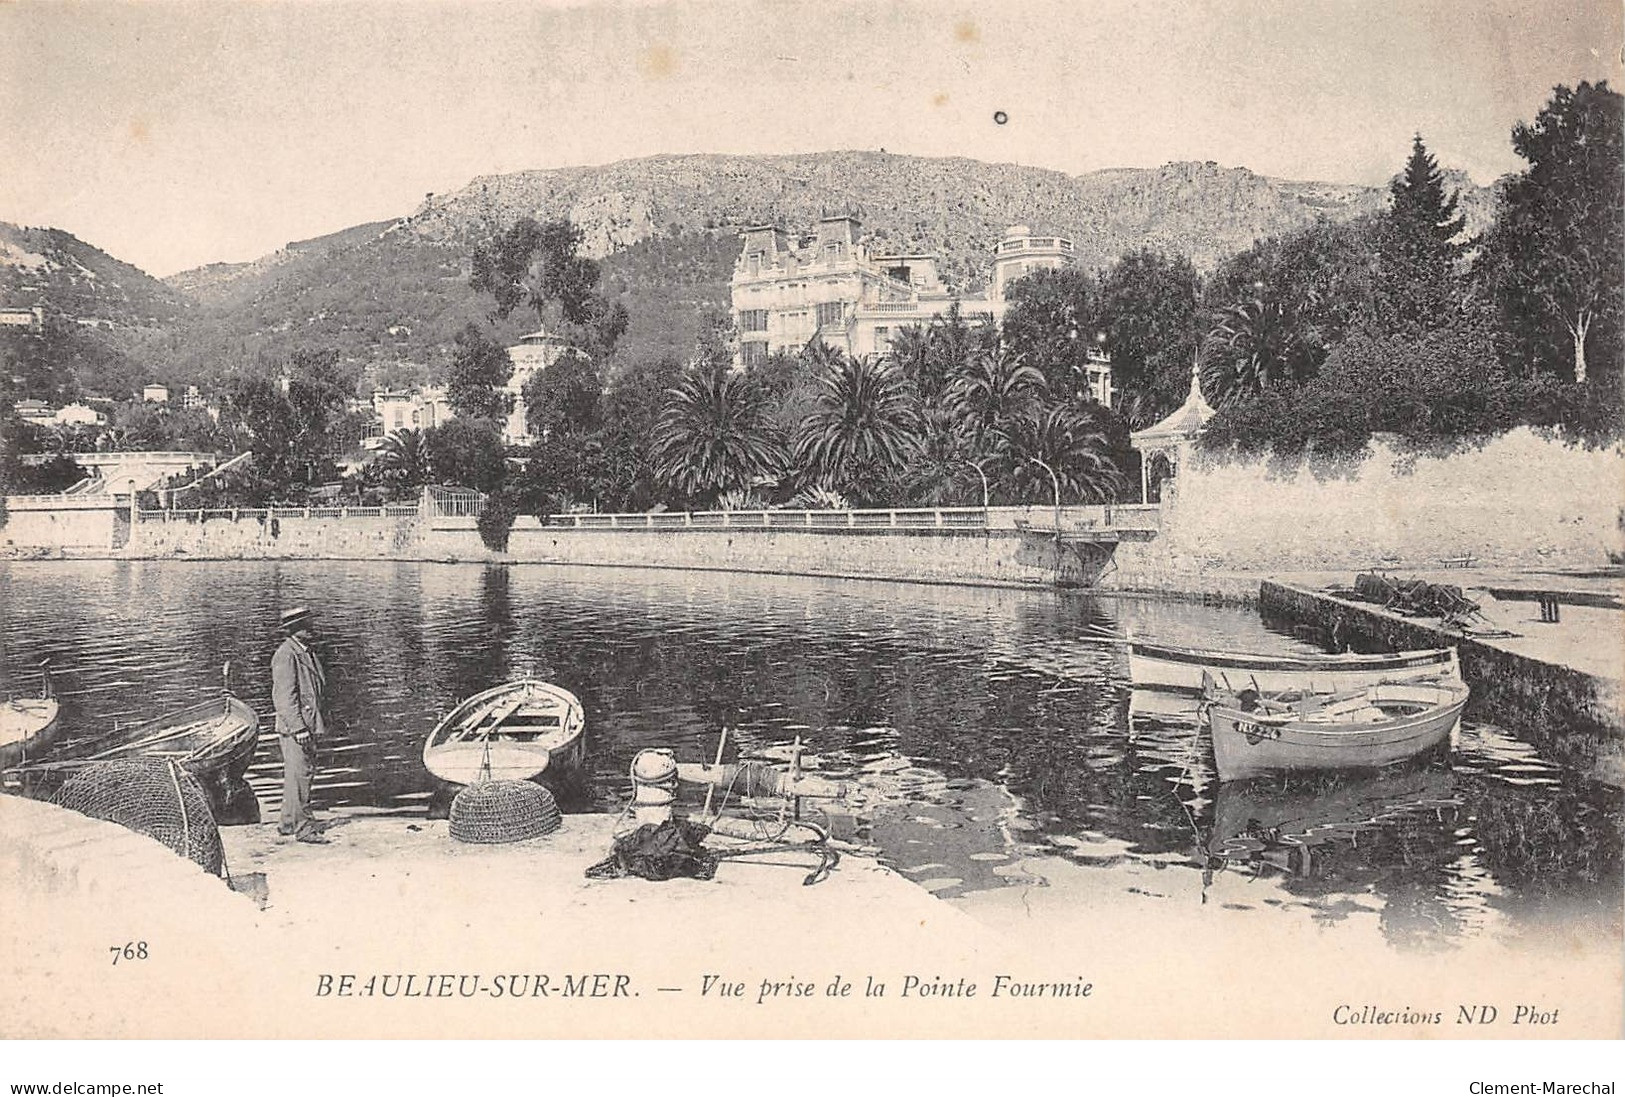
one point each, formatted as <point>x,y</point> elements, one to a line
<point>1420,200</point>
<point>1417,288</point>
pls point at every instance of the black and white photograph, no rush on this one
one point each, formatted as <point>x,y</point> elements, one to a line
<point>743,520</point>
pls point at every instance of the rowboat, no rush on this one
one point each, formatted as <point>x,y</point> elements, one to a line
<point>28,724</point>
<point>212,740</point>
<point>1179,669</point>
<point>1363,729</point>
<point>526,730</point>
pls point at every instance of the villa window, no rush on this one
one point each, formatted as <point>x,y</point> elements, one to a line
<point>830,312</point>
<point>753,354</point>
<point>753,320</point>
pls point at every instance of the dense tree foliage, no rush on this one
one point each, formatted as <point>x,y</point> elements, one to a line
<point>1433,388</point>
<point>480,367</point>
<point>467,453</point>
<point>1149,311</point>
<point>1074,448</point>
<point>1552,259</point>
<point>566,397</point>
<point>1053,321</point>
<point>537,265</point>
<point>30,461</point>
<point>1416,285</point>
<point>405,463</point>
<point>294,425</point>
<point>1390,335</point>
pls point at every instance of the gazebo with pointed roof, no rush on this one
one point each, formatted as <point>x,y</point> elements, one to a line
<point>1171,437</point>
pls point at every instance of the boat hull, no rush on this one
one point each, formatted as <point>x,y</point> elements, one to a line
<point>1246,745</point>
<point>495,735</point>
<point>27,726</point>
<point>464,763</point>
<point>1171,669</point>
<point>214,741</point>
<point>219,749</point>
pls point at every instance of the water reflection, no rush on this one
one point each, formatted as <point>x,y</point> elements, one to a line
<point>981,727</point>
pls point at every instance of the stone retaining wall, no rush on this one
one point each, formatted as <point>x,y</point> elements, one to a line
<point>941,556</point>
<point>1574,717</point>
<point>280,538</point>
<point>1519,501</point>
<point>999,557</point>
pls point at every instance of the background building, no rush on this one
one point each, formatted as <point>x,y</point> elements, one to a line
<point>532,354</point>
<point>31,318</point>
<point>830,286</point>
<point>410,409</point>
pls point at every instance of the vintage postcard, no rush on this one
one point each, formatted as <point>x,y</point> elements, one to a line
<point>869,520</point>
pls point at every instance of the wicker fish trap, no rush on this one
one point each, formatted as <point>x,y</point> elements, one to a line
<point>503,811</point>
<point>151,797</point>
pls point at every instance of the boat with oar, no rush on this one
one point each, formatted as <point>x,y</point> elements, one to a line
<point>1173,669</point>
<point>28,724</point>
<point>212,740</point>
<point>1255,734</point>
<point>525,730</point>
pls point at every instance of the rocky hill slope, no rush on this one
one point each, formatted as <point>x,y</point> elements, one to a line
<point>73,279</point>
<point>666,229</point>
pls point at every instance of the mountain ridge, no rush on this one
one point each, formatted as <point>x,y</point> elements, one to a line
<point>665,228</point>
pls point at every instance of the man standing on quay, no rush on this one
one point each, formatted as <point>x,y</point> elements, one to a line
<point>298,689</point>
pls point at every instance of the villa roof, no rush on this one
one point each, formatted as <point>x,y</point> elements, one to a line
<point>541,335</point>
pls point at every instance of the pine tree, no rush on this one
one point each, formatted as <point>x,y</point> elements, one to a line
<point>1417,287</point>
<point>1420,200</point>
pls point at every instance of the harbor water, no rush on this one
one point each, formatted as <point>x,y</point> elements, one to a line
<point>979,727</point>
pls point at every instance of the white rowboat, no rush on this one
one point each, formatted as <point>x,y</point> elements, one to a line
<point>518,731</point>
<point>1373,727</point>
<point>1175,669</point>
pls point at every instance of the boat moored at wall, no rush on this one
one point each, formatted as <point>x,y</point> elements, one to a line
<point>1365,729</point>
<point>1173,669</point>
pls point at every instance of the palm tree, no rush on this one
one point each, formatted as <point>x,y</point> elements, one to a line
<point>863,427</point>
<point>818,356</point>
<point>1071,440</point>
<point>942,472</point>
<point>405,459</point>
<point>1141,407</point>
<point>1265,344</point>
<point>912,354</point>
<point>716,434</point>
<point>994,388</point>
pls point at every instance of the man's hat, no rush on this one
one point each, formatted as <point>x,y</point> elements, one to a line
<point>295,618</point>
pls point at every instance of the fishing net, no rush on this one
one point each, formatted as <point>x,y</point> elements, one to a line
<point>150,797</point>
<point>503,811</point>
<point>659,851</point>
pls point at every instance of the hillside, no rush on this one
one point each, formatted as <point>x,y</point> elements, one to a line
<point>666,228</point>
<point>74,280</point>
<point>955,207</point>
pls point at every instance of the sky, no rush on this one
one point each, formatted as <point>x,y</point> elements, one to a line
<point>176,134</point>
